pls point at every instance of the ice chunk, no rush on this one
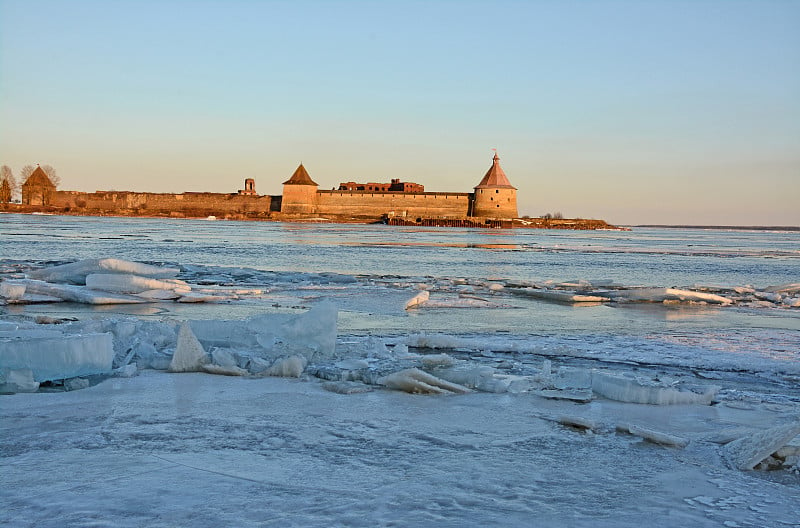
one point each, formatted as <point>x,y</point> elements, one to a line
<point>159,295</point>
<point>17,380</point>
<point>223,358</point>
<point>346,387</point>
<point>189,354</point>
<point>463,301</point>
<point>126,371</point>
<point>569,297</point>
<point>575,395</point>
<point>220,333</point>
<point>655,437</point>
<point>435,341</point>
<point>579,423</point>
<point>224,370</point>
<point>73,384</point>
<point>792,302</point>
<point>769,296</point>
<point>418,300</point>
<point>631,390</point>
<point>572,378</point>
<point>746,453</point>
<point>126,283</point>
<point>54,356</point>
<point>257,365</point>
<point>669,294</point>
<point>312,334</point>
<point>11,290</point>
<point>352,364</point>
<point>76,272</point>
<point>290,367</point>
<point>77,294</point>
<point>481,378</point>
<point>418,382</point>
<point>430,361</point>
<point>191,297</point>
<point>784,288</point>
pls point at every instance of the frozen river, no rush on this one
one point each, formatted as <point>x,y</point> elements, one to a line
<point>164,449</point>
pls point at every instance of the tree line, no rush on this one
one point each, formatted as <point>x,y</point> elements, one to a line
<point>10,187</point>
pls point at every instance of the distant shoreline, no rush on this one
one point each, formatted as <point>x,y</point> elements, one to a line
<point>718,227</point>
<point>574,224</point>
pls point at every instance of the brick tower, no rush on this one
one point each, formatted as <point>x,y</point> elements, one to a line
<point>494,196</point>
<point>299,193</point>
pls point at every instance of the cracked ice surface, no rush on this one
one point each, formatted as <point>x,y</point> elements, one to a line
<point>159,448</point>
<point>529,443</point>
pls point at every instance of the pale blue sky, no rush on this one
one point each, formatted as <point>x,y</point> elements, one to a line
<point>631,111</point>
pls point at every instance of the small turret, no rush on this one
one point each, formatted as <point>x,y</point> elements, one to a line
<point>249,187</point>
<point>494,196</point>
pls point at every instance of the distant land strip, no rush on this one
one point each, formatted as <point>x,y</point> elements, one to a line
<point>738,228</point>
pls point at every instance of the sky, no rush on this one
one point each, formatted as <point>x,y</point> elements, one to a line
<point>636,112</point>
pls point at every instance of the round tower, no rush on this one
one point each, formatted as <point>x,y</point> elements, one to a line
<point>299,193</point>
<point>494,196</point>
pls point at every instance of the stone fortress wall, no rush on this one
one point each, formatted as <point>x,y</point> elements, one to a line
<point>401,204</point>
<point>493,198</point>
<point>146,204</point>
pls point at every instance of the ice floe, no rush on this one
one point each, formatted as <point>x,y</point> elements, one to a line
<point>76,272</point>
<point>17,380</point>
<point>51,355</point>
<point>418,300</point>
<point>102,281</point>
<point>750,451</point>
<point>416,381</point>
<point>656,437</point>
<point>646,391</point>
<point>127,283</point>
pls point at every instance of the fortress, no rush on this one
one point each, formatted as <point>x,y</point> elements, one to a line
<point>493,198</point>
<point>493,203</point>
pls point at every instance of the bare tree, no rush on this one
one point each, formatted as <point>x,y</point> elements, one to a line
<point>51,173</point>
<point>26,172</point>
<point>6,174</point>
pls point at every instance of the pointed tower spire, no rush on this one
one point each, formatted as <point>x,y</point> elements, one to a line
<point>495,177</point>
<point>300,177</point>
<point>494,196</point>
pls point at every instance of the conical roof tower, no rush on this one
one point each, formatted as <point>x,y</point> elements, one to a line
<point>494,196</point>
<point>300,177</point>
<point>495,177</point>
<point>299,193</point>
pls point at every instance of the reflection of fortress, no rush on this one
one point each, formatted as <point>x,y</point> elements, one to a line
<point>494,197</point>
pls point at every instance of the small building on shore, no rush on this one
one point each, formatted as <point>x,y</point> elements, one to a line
<point>38,189</point>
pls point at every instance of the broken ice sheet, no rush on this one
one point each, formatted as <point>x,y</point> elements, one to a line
<point>53,356</point>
